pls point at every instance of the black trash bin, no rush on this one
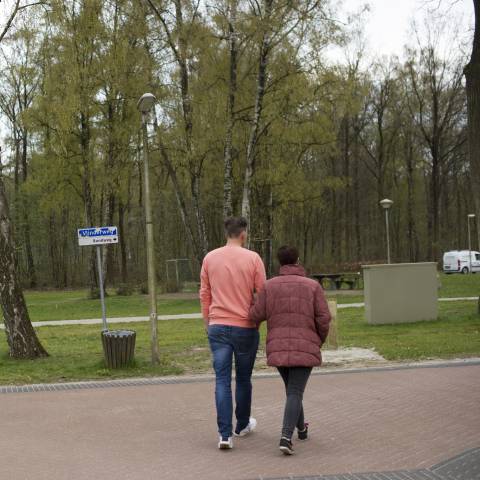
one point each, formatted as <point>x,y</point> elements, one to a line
<point>118,347</point>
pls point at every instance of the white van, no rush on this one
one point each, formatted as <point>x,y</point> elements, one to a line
<point>457,261</point>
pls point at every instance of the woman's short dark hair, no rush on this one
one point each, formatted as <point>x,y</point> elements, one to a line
<point>287,255</point>
<point>234,226</point>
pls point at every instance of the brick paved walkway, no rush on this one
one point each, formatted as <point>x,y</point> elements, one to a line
<point>377,421</point>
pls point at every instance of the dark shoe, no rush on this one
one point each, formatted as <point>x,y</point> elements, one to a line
<point>303,434</point>
<point>286,446</point>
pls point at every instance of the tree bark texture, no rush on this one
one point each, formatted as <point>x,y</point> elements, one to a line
<point>257,113</point>
<point>21,337</point>
<point>232,90</point>
<point>472,76</point>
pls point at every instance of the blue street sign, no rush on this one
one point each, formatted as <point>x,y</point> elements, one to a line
<point>97,236</point>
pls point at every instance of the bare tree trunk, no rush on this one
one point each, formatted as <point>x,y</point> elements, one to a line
<point>107,250</point>
<point>411,224</point>
<point>346,199</point>
<point>87,194</point>
<point>32,277</point>
<point>435,205</point>
<point>201,225</point>
<point>428,204</point>
<point>232,90</point>
<point>195,171</point>
<point>269,236</point>
<point>52,244</point>
<point>64,258</point>
<point>21,337</point>
<point>472,75</point>
<point>184,214</point>
<point>356,195</point>
<point>107,257</point>
<point>123,243</point>
<point>257,114</point>
<point>334,224</point>
<point>178,43</point>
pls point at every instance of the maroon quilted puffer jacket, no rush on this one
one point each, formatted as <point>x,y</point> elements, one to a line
<point>297,318</point>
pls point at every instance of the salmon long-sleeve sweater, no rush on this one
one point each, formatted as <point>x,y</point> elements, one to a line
<point>230,275</point>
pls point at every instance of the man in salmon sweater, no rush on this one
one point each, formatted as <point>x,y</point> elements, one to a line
<point>230,277</point>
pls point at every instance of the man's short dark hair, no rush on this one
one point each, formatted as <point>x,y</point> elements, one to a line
<point>234,226</point>
<point>287,255</point>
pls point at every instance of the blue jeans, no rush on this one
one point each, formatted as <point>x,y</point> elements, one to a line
<point>242,343</point>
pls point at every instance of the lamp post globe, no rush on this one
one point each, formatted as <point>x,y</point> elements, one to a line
<point>146,102</point>
<point>386,203</point>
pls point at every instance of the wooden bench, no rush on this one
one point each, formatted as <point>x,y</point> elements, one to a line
<point>332,339</point>
<point>336,280</point>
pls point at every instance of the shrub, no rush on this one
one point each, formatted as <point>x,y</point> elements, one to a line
<point>171,286</point>
<point>124,290</point>
<point>94,294</point>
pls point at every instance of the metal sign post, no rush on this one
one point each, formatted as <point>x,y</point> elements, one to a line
<point>97,237</point>
<point>102,293</point>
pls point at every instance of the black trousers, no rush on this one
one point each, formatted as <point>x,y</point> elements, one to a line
<point>295,380</point>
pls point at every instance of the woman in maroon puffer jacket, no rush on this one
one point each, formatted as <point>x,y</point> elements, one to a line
<point>298,319</point>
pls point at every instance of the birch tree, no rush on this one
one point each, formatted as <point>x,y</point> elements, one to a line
<point>21,337</point>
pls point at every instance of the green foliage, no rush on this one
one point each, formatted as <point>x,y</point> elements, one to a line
<point>334,137</point>
<point>93,294</point>
<point>125,290</point>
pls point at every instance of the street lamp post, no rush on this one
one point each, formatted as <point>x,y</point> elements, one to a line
<point>145,105</point>
<point>386,204</point>
<point>469,216</point>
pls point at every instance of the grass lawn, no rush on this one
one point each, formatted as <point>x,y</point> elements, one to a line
<point>456,333</point>
<point>74,304</point>
<point>76,352</point>
<point>458,285</point>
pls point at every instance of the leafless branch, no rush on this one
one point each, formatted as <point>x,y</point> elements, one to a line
<point>12,16</point>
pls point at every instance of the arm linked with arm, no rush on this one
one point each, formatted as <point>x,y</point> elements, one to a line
<point>258,311</point>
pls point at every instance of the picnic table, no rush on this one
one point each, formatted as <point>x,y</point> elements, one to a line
<point>336,280</point>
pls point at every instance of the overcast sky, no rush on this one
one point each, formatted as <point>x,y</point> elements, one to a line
<point>388,21</point>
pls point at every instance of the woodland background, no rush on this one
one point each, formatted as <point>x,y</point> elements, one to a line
<point>271,109</point>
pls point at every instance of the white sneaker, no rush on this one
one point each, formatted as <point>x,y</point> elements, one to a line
<point>252,425</point>
<point>225,444</point>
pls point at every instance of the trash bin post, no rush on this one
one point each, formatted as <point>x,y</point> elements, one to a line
<point>118,347</point>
